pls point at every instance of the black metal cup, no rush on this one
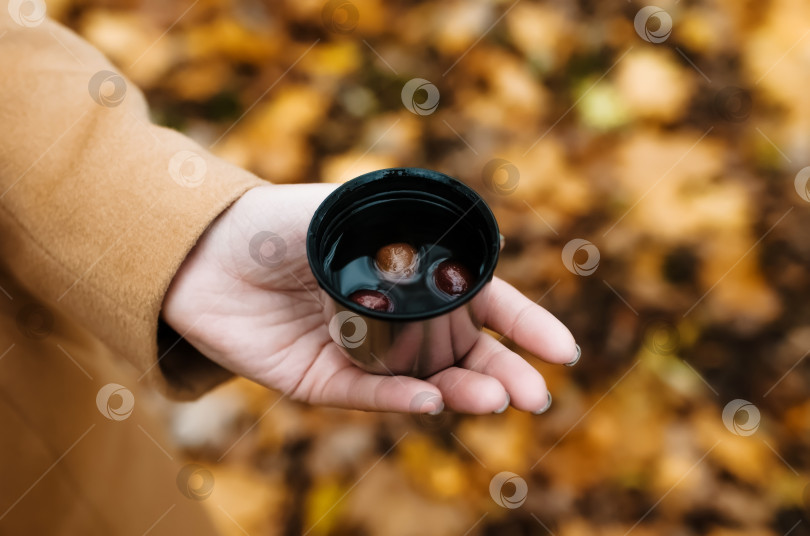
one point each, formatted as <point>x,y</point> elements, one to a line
<point>379,208</point>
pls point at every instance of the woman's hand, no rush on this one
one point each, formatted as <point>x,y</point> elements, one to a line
<point>249,302</point>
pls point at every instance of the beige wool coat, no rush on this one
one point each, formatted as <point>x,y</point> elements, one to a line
<point>98,209</point>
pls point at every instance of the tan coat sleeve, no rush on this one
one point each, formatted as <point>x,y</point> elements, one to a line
<point>98,207</point>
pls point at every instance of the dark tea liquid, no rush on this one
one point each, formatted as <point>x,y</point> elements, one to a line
<point>435,232</point>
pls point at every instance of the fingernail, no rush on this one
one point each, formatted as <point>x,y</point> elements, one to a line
<point>508,400</point>
<point>544,408</point>
<point>576,359</point>
<point>438,410</point>
<point>502,242</point>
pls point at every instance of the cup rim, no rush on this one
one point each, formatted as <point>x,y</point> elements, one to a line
<point>351,188</point>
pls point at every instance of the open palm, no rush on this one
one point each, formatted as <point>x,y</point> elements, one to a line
<point>246,298</point>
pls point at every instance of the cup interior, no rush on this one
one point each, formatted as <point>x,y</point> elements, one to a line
<point>410,205</point>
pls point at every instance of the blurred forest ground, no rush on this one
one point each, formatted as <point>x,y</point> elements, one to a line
<point>676,159</point>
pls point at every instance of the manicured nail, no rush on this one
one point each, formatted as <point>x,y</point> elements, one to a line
<point>438,410</point>
<point>544,408</point>
<point>576,359</point>
<point>508,400</point>
<point>503,241</point>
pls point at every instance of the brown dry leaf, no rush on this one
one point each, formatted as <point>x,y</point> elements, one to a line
<point>543,33</point>
<point>649,287</point>
<point>776,53</point>
<point>667,189</point>
<point>58,8</point>
<point>271,140</point>
<point>619,441</point>
<point>457,24</point>
<point>324,505</point>
<point>510,96</point>
<point>499,443</point>
<point>746,457</point>
<point>671,181</point>
<point>710,30</point>
<point>343,449</point>
<point>225,37</point>
<point>360,17</point>
<point>777,61</point>
<point>132,42</point>
<point>384,503</point>
<point>653,84</point>
<point>580,527</point>
<point>283,161</point>
<point>242,501</point>
<point>199,81</point>
<point>797,419</point>
<point>748,531</point>
<point>291,110</point>
<point>337,60</point>
<point>681,471</point>
<point>669,367</point>
<point>535,270</point>
<point>388,140</point>
<point>284,423</point>
<point>347,166</point>
<point>397,135</point>
<point>547,182</point>
<point>450,26</point>
<point>435,471</point>
<point>738,292</point>
<point>747,508</point>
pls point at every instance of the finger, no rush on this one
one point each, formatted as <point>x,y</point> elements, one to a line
<point>529,325</point>
<point>526,387</point>
<point>334,381</point>
<point>470,392</point>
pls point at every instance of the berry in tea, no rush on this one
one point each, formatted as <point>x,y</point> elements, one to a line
<point>397,262</point>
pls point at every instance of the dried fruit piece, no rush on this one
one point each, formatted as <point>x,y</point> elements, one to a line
<point>452,277</point>
<point>397,261</point>
<point>372,299</point>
